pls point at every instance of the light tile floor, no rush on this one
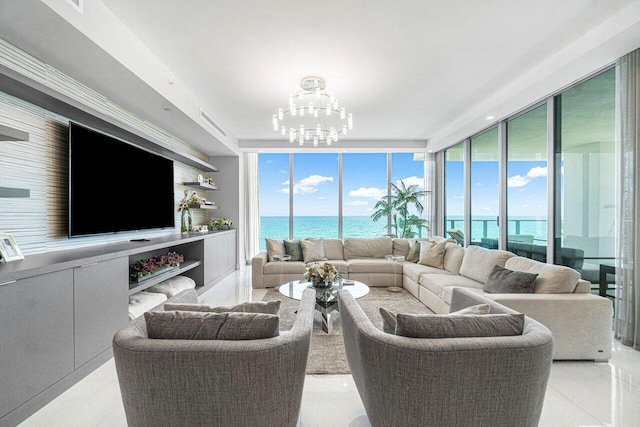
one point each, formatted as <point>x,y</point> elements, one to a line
<point>579,393</point>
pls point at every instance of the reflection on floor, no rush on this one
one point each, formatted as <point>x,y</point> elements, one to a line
<point>579,393</point>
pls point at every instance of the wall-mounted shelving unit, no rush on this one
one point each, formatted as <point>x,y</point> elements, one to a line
<point>201,186</point>
<point>135,287</point>
<point>12,134</point>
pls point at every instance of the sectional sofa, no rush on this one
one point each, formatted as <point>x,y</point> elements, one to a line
<point>581,322</point>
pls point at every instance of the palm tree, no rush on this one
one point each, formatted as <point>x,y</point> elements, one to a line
<point>397,207</point>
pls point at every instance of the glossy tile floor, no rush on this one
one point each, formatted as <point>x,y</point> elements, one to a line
<point>579,393</point>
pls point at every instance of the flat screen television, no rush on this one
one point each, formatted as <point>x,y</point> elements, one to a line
<point>115,186</point>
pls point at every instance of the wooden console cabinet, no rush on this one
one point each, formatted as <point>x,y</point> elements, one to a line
<point>60,310</point>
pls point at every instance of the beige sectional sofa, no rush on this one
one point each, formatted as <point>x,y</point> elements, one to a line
<point>581,322</point>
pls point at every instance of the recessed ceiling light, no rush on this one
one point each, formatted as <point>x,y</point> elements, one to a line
<point>490,117</point>
<point>167,109</point>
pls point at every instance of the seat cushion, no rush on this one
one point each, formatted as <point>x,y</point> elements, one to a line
<point>552,279</point>
<point>143,301</point>
<point>357,247</point>
<point>333,249</point>
<point>266,307</point>
<point>389,317</point>
<point>173,286</point>
<point>373,266</point>
<point>478,262</point>
<point>190,325</point>
<point>436,282</point>
<point>284,267</point>
<point>414,271</point>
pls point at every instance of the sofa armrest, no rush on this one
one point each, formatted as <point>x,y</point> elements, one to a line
<point>257,269</point>
<point>583,287</point>
<point>581,323</point>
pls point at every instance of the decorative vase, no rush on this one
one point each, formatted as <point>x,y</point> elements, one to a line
<point>321,283</point>
<point>187,221</point>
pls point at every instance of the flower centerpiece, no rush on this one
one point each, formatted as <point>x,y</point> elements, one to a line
<point>146,269</point>
<point>189,199</point>
<point>322,275</point>
<point>220,223</point>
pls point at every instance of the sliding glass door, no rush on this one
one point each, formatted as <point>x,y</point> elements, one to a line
<point>484,189</point>
<point>454,192</point>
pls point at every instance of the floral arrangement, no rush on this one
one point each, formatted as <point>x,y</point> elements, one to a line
<point>144,268</point>
<point>220,223</point>
<point>189,199</point>
<point>322,274</point>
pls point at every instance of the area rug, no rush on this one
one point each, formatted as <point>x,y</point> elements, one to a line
<point>327,354</point>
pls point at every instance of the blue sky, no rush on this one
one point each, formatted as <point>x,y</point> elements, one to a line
<point>316,182</point>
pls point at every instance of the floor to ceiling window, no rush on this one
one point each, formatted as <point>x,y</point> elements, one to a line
<point>408,169</point>
<point>364,182</point>
<point>454,192</point>
<point>273,179</point>
<point>527,184</point>
<point>315,196</point>
<point>484,189</point>
<point>585,161</point>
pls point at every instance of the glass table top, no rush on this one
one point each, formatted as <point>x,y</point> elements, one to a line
<point>295,288</point>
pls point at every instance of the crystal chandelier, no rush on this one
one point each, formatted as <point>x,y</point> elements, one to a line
<point>313,115</point>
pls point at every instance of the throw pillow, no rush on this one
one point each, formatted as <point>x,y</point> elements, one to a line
<point>435,326</point>
<point>265,307</point>
<point>274,247</point>
<point>188,325</point>
<point>389,317</point>
<point>504,281</point>
<point>293,248</point>
<point>312,250</point>
<point>432,254</point>
<point>414,251</point>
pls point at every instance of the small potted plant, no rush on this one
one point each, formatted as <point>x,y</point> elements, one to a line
<point>220,223</point>
<point>189,199</point>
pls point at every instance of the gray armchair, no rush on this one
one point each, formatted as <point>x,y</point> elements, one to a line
<point>207,383</point>
<point>498,381</point>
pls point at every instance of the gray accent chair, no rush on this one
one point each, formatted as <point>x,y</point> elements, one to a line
<point>497,381</point>
<point>214,383</point>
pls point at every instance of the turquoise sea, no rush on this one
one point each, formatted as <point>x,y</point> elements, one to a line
<point>277,227</point>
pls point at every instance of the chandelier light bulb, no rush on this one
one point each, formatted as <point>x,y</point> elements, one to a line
<point>318,129</point>
<point>315,142</point>
<point>301,131</point>
<point>301,111</point>
<point>335,104</point>
<point>283,130</point>
<point>293,111</point>
<point>301,139</point>
<point>315,113</point>
<point>343,113</point>
<point>311,108</point>
<point>307,135</point>
<point>344,129</point>
<point>292,135</point>
<point>301,95</point>
<point>327,109</point>
<point>331,98</point>
<point>350,121</point>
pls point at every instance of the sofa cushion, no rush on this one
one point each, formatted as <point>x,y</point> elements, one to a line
<point>552,279</point>
<point>190,325</point>
<point>266,307</point>
<point>401,247</point>
<point>432,254</point>
<point>478,262</point>
<point>504,281</point>
<point>284,267</point>
<point>293,248</point>
<point>357,247</point>
<point>436,282</point>
<point>389,317</point>
<point>453,255</point>
<point>341,265</point>
<point>312,250</point>
<point>173,286</point>
<point>373,266</point>
<point>333,249</point>
<point>446,326</point>
<point>274,247</point>
<point>414,251</point>
<point>414,271</point>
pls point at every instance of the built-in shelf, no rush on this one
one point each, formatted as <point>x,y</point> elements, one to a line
<point>135,287</point>
<point>7,192</point>
<point>201,186</point>
<point>12,134</point>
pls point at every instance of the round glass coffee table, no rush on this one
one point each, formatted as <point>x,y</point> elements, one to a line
<point>326,298</point>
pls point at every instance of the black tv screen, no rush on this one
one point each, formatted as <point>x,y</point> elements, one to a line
<point>115,186</point>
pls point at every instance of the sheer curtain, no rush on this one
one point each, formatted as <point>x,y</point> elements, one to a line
<point>627,310</point>
<point>252,211</point>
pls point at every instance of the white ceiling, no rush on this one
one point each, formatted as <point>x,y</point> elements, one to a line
<point>408,70</point>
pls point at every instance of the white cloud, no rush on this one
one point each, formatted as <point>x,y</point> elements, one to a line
<point>479,184</point>
<point>307,185</point>
<point>533,173</point>
<point>284,172</point>
<point>359,203</point>
<point>371,192</point>
<point>412,180</point>
<point>458,197</point>
<point>322,197</point>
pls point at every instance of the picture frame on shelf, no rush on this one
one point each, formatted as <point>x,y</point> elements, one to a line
<point>9,249</point>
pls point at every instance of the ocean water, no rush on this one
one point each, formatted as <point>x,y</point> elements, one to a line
<point>277,227</point>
